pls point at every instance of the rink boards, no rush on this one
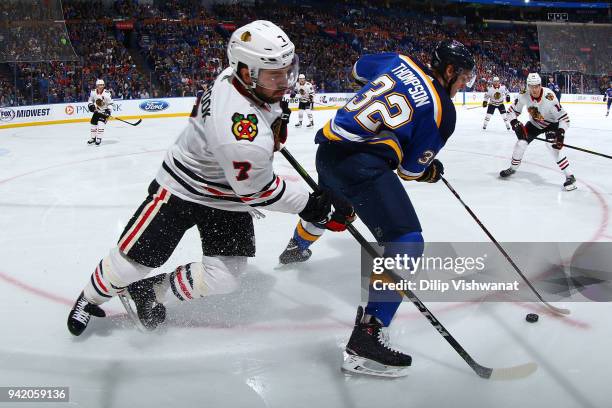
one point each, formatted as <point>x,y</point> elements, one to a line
<point>36,115</point>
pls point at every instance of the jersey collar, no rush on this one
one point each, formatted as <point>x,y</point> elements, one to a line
<point>249,95</point>
<point>539,98</point>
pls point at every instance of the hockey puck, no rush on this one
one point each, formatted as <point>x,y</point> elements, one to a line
<point>532,317</point>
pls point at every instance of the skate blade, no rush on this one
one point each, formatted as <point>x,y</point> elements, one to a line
<point>570,188</point>
<point>125,301</point>
<point>359,365</point>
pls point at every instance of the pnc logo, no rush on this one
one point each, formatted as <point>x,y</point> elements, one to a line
<point>69,110</point>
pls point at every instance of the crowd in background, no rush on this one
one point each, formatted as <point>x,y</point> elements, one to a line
<point>173,48</point>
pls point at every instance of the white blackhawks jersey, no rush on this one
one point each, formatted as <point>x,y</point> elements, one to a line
<point>542,111</point>
<point>495,96</point>
<point>223,158</point>
<point>104,96</point>
<point>304,92</point>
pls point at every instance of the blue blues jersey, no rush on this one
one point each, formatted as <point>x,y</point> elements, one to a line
<point>608,93</point>
<point>402,113</point>
<point>554,87</point>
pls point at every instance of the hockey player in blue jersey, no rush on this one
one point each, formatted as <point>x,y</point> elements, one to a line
<point>608,97</point>
<point>554,87</point>
<point>397,122</point>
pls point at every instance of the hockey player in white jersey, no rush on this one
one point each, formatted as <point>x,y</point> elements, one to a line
<point>99,104</point>
<point>494,99</point>
<point>215,175</point>
<point>545,116</point>
<point>306,93</point>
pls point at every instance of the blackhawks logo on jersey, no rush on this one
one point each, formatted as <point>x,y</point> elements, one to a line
<point>244,128</point>
<point>535,113</point>
<point>496,95</point>
<point>549,96</point>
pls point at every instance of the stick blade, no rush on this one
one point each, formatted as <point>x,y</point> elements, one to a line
<point>558,310</point>
<point>513,373</point>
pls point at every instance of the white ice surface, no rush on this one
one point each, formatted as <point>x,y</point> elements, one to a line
<point>278,342</point>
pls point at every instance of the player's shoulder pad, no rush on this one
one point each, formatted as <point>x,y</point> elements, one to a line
<point>245,127</point>
<point>370,66</point>
<point>549,94</point>
<point>235,116</point>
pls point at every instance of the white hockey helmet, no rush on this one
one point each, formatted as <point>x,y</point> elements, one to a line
<point>100,82</point>
<point>495,79</point>
<point>302,76</point>
<point>263,45</point>
<point>534,79</point>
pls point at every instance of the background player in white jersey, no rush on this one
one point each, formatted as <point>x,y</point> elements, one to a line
<point>305,92</point>
<point>494,98</point>
<point>545,116</point>
<point>99,104</point>
<point>216,173</point>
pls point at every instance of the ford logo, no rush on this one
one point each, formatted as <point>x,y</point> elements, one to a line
<point>154,106</point>
<point>7,114</point>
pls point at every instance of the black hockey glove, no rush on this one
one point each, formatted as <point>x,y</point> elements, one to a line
<point>507,98</point>
<point>556,136</point>
<point>280,128</point>
<point>319,211</point>
<point>284,105</point>
<point>484,104</point>
<point>433,173</point>
<point>519,129</point>
<point>91,107</point>
<point>107,112</point>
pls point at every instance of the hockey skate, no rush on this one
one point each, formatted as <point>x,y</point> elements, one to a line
<point>149,312</point>
<point>311,124</point>
<point>570,183</point>
<point>299,124</point>
<point>507,173</point>
<point>91,141</point>
<point>368,351</point>
<point>293,254</point>
<point>81,312</point>
<point>98,141</point>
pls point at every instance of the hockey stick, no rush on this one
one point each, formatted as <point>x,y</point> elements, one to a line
<point>509,373</point>
<point>474,107</point>
<point>129,123</point>
<point>555,309</point>
<point>578,148</point>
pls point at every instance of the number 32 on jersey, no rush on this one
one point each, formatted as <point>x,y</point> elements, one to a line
<point>395,111</point>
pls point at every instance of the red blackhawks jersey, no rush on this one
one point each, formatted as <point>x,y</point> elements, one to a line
<point>224,157</point>
<point>543,111</point>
